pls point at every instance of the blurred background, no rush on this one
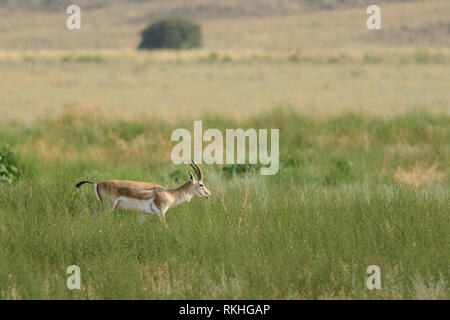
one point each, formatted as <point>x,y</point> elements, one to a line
<point>316,57</point>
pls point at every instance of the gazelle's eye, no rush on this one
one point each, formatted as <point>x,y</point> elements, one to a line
<point>200,185</point>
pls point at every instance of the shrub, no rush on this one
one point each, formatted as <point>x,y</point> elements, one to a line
<point>422,56</point>
<point>9,172</point>
<point>178,176</point>
<point>341,171</point>
<point>341,58</point>
<point>238,169</point>
<point>171,33</point>
<point>294,57</point>
<point>210,58</point>
<point>371,59</point>
<point>83,59</point>
<point>227,58</point>
<point>439,58</point>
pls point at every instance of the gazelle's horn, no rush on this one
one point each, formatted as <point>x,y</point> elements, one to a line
<point>197,170</point>
<point>200,173</point>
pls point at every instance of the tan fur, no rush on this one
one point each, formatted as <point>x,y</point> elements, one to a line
<point>131,189</point>
<point>142,196</point>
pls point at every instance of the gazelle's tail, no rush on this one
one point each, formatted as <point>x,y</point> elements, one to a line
<point>97,193</point>
<point>79,184</point>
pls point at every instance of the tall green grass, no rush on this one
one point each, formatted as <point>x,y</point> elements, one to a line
<point>310,232</point>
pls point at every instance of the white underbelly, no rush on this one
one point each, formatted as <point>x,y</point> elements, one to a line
<point>135,204</point>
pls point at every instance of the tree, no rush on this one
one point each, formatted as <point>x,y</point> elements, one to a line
<point>173,33</point>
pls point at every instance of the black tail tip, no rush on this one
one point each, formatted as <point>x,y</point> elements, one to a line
<point>79,184</point>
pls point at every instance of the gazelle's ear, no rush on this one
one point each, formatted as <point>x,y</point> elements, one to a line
<point>191,177</point>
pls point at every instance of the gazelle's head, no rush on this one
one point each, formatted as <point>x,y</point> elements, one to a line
<point>197,185</point>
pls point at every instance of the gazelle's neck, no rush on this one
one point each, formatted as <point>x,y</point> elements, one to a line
<point>181,194</point>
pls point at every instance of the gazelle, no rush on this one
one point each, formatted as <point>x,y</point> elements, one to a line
<point>148,197</point>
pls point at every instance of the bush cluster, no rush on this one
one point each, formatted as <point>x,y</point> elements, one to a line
<point>173,33</point>
<point>9,171</point>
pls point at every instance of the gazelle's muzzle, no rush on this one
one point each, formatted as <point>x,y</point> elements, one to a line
<point>206,194</point>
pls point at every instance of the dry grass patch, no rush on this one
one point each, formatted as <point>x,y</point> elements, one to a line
<point>422,173</point>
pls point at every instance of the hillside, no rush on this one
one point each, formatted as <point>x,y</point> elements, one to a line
<point>205,8</point>
<point>260,24</point>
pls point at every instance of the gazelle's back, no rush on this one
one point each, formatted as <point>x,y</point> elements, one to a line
<point>129,183</point>
<point>113,189</point>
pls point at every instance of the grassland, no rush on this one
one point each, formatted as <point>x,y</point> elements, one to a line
<point>353,190</point>
<point>364,151</point>
<point>242,83</point>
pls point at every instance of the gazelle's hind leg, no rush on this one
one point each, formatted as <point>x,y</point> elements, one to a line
<point>164,220</point>
<point>143,216</point>
<point>97,194</point>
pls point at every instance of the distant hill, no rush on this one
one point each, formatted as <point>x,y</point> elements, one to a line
<point>196,8</point>
<point>227,24</point>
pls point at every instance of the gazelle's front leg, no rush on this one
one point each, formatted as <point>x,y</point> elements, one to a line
<point>116,204</point>
<point>160,212</point>
<point>163,213</point>
<point>162,209</point>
